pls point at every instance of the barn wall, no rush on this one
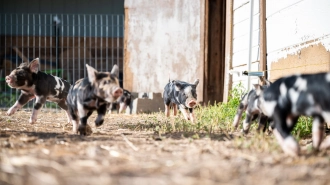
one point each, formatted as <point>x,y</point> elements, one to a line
<point>163,39</point>
<point>241,27</point>
<point>298,37</point>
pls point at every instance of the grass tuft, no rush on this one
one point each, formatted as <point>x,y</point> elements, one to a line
<point>212,119</point>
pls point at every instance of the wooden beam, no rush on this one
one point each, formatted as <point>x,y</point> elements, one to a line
<point>263,38</point>
<point>205,51</point>
<point>228,50</point>
<point>20,54</point>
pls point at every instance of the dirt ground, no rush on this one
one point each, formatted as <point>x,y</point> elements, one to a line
<point>120,153</point>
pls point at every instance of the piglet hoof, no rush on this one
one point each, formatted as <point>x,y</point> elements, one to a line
<point>82,130</point>
<point>85,130</point>
<point>290,146</point>
<point>244,132</point>
<point>88,130</point>
<point>99,122</point>
<point>325,144</point>
<point>10,112</point>
<point>32,121</point>
<point>74,130</point>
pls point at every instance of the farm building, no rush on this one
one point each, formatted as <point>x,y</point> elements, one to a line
<point>65,35</point>
<point>154,41</point>
<point>208,39</point>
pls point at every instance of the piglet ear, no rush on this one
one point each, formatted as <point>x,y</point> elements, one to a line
<point>178,85</point>
<point>34,66</point>
<point>258,89</point>
<point>91,72</point>
<point>115,71</point>
<point>196,82</point>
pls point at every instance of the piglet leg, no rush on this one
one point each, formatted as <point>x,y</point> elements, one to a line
<point>83,116</point>
<point>100,115</point>
<point>122,107</point>
<point>317,132</point>
<point>167,110</point>
<point>191,115</point>
<point>185,114</point>
<point>40,101</point>
<point>240,110</point>
<point>22,100</point>
<point>175,109</point>
<point>282,134</point>
<point>64,106</point>
<point>14,108</point>
<point>325,144</point>
<point>246,123</point>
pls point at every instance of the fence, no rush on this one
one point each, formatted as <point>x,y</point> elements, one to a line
<point>63,42</point>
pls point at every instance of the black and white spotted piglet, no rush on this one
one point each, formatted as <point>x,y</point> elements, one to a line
<point>37,84</point>
<point>183,95</point>
<point>122,102</point>
<point>251,105</point>
<point>92,93</point>
<point>290,97</point>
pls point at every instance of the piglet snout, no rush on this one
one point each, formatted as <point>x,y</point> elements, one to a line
<point>192,103</point>
<point>117,92</point>
<point>9,79</point>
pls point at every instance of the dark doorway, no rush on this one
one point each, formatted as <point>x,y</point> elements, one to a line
<point>215,63</point>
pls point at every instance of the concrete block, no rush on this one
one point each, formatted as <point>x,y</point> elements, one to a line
<point>146,103</point>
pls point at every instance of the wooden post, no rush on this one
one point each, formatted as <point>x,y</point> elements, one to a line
<point>228,49</point>
<point>263,38</point>
<point>205,51</point>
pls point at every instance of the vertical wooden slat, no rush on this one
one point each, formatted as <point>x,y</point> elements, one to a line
<point>263,38</point>
<point>228,50</point>
<point>206,43</point>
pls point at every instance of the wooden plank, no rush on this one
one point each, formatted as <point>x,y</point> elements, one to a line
<point>205,51</point>
<point>228,50</point>
<point>128,78</point>
<point>263,37</point>
<point>19,53</point>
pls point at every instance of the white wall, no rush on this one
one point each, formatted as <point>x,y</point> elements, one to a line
<point>241,35</point>
<point>294,25</point>
<point>163,39</point>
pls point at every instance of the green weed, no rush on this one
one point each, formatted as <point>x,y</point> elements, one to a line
<point>210,119</point>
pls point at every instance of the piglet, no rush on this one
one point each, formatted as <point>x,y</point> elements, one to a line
<point>251,105</point>
<point>92,93</point>
<point>290,97</point>
<point>37,84</point>
<point>183,95</point>
<point>122,102</point>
